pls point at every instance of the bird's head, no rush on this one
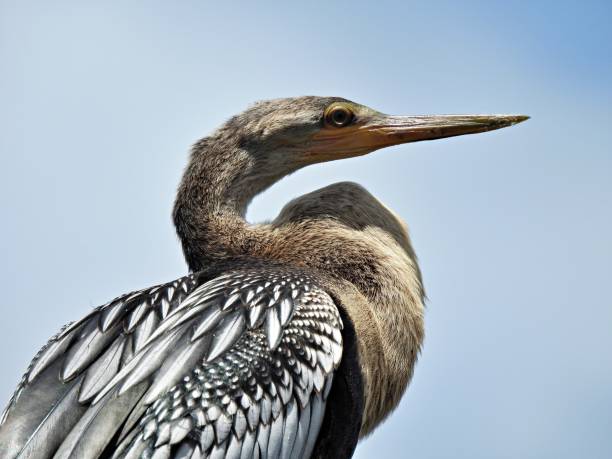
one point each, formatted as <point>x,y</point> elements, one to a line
<point>274,138</point>
<point>306,130</point>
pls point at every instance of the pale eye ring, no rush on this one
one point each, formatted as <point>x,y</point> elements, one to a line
<point>339,116</point>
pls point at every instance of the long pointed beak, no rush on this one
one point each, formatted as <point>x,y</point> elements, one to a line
<point>393,130</point>
<point>379,131</point>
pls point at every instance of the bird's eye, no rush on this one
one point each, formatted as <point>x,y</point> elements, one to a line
<point>338,116</point>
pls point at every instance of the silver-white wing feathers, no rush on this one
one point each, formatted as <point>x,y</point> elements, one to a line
<point>77,363</point>
<point>240,368</point>
<point>249,376</point>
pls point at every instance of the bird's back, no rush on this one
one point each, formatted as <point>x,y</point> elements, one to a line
<point>237,364</point>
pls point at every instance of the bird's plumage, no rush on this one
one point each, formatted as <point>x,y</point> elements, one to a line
<point>290,339</point>
<point>240,363</point>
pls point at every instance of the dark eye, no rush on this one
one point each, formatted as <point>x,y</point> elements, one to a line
<point>339,116</point>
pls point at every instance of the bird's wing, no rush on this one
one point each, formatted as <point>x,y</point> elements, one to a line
<point>71,369</point>
<point>240,368</point>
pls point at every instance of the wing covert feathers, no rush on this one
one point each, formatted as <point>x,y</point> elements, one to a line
<point>237,367</point>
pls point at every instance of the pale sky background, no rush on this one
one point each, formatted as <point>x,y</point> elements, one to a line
<point>99,103</point>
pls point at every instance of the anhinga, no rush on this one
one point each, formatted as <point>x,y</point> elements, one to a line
<point>292,338</point>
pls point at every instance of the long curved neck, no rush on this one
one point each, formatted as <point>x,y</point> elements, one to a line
<point>218,184</point>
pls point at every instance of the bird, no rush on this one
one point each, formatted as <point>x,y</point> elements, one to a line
<point>293,338</point>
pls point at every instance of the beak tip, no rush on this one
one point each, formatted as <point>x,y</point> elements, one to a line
<point>502,121</point>
<point>520,118</point>
<point>516,119</point>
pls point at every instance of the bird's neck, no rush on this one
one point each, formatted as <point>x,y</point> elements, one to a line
<point>219,182</point>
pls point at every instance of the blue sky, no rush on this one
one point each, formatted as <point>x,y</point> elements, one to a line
<point>101,101</point>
